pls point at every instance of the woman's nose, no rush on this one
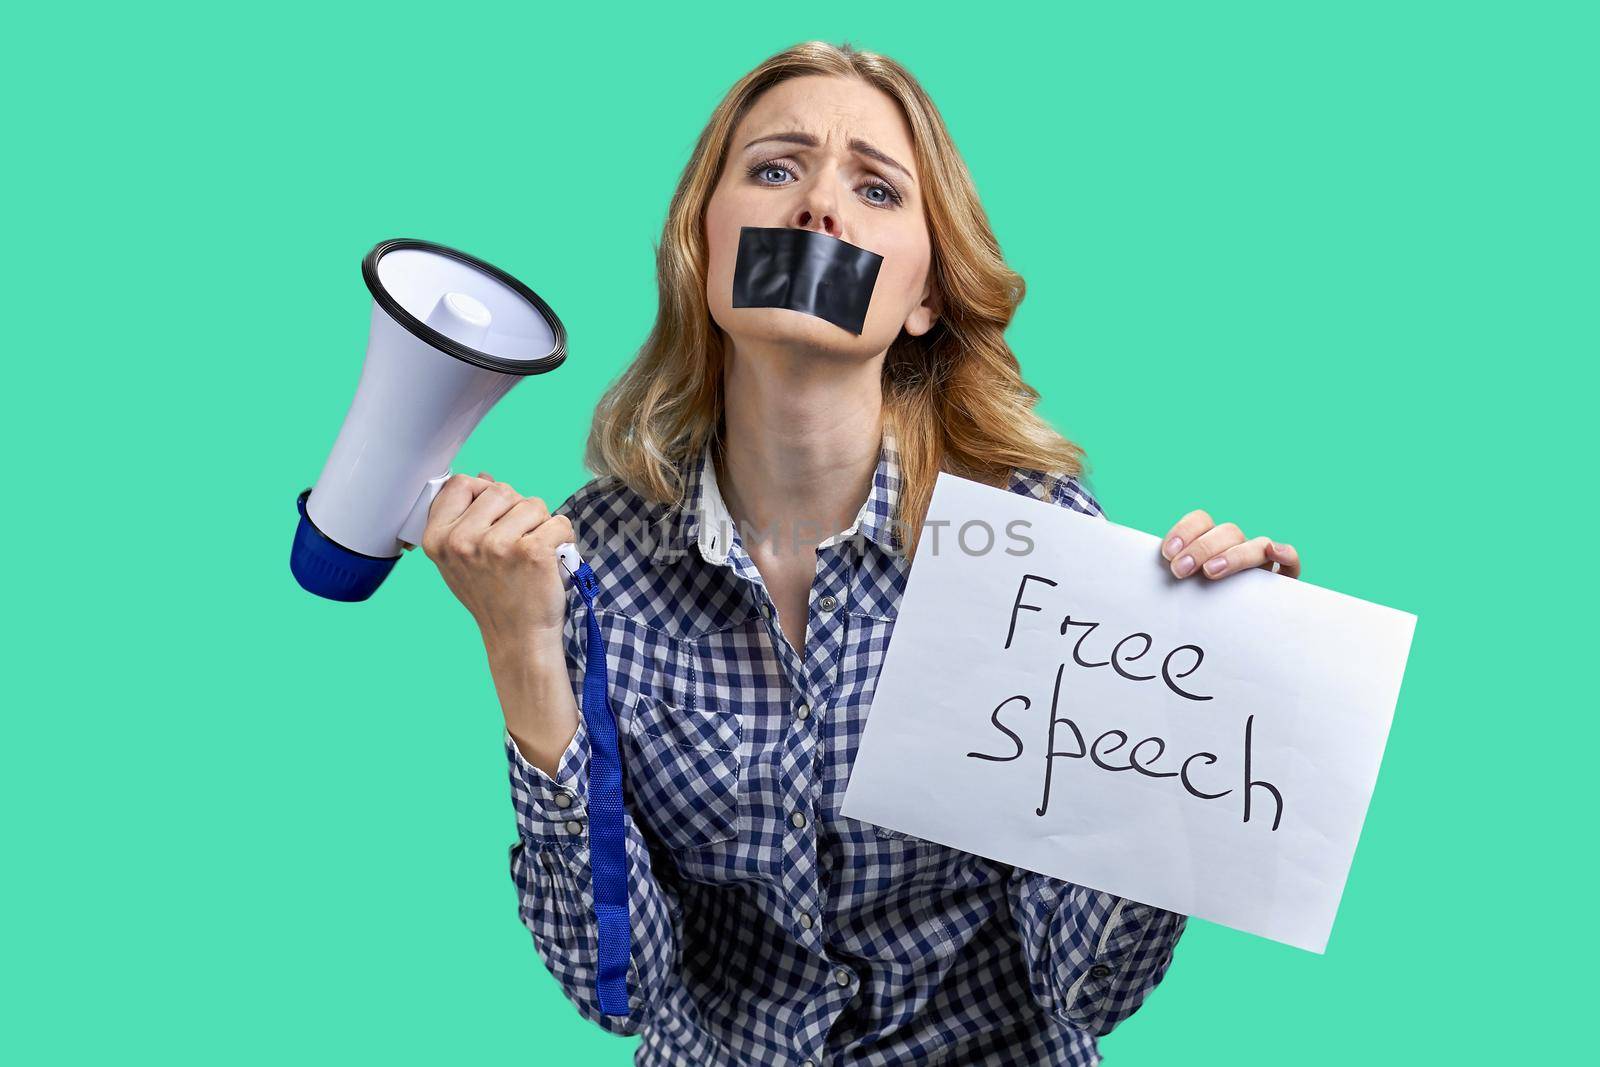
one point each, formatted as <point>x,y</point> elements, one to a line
<point>809,218</point>
<point>818,208</point>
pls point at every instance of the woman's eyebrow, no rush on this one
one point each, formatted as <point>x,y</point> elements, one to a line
<point>857,145</point>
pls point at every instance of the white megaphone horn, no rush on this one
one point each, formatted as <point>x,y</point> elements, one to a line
<point>450,336</point>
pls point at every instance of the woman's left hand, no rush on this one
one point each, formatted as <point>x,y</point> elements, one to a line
<point>1195,545</point>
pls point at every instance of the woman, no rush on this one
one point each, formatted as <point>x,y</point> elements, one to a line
<point>742,654</point>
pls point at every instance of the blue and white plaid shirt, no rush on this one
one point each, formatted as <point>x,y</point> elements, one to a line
<point>768,929</point>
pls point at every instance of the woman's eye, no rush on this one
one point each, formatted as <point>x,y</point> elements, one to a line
<point>764,169</point>
<point>889,198</point>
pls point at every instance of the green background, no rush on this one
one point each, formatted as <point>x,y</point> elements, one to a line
<point>1324,270</point>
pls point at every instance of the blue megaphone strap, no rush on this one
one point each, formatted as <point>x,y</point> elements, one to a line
<point>608,861</point>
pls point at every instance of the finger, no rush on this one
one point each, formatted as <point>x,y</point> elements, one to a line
<point>545,538</point>
<point>1184,531</point>
<point>491,503</point>
<point>1214,541</point>
<point>1240,557</point>
<point>1287,559</point>
<point>524,515</point>
<point>457,493</point>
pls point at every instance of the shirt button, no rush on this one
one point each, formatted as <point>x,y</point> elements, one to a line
<point>563,800</point>
<point>1099,970</point>
<point>841,976</point>
<point>827,603</point>
<point>805,920</point>
<point>766,609</point>
<point>803,712</point>
<point>808,1063</point>
<point>574,826</point>
<point>798,819</point>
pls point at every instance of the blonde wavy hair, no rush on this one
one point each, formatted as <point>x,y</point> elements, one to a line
<point>954,397</point>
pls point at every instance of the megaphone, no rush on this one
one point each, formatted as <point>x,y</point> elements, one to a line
<point>450,336</point>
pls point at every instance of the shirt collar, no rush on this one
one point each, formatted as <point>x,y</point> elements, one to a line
<point>705,523</point>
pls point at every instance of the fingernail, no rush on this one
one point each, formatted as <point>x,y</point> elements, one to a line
<point>1183,566</point>
<point>1276,548</point>
<point>1171,547</point>
<point>1216,565</point>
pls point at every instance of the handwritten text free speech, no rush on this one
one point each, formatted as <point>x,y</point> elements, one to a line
<point>1195,782</point>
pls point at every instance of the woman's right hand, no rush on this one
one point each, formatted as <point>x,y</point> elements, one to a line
<point>497,552</point>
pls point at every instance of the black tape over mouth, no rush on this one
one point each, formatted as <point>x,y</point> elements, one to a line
<point>805,271</point>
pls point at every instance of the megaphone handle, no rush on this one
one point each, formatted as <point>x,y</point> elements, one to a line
<point>567,553</point>
<point>417,521</point>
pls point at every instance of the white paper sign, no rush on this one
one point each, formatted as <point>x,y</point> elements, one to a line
<point>1053,699</point>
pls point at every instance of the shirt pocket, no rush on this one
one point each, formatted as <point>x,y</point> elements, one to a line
<point>686,773</point>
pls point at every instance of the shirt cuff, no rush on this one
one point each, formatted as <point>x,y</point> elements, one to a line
<point>1098,936</point>
<point>1127,958</point>
<point>551,811</point>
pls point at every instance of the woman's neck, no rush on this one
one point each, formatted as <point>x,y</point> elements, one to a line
<point>801,439</point>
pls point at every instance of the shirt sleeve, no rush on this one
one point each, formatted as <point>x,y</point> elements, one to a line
<point>550,868</point>
<point>1092,957</point>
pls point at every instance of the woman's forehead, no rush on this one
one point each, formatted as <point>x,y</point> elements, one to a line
<point>830,109</point>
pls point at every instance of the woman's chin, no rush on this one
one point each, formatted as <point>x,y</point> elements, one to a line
<point>783,328</point>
